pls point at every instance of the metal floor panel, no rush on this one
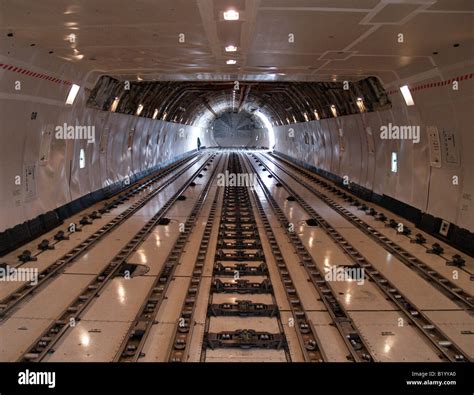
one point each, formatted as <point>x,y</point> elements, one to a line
<point>264,324</point>
<point>331,341</point>
<point>353,296</point>
<point>458,326</point>
<point>104,325</point>
<point>120,300</point>
<point>158,342</point>
<point>17,334</point>
<point>90,341</point>
<point>186,266</point>
<point>96,259</point>
<point>237,355</point>
<point>195,346</point>
<point>390,342</point>
<point>47,304</point>
<point>130,227</point>
<point>419,291</point>
<point>169,311</point>
<point>35,316</point>
<point>291,336</point>
<point>219,298</point>
<point>439,264</point>
<point>432,260</point>
<point>360,297</point>
<point>154,250</point>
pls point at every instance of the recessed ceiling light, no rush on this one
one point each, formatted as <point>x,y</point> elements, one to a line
<point>231,61</point>
<point>231,15</point>
<point>231,48</point>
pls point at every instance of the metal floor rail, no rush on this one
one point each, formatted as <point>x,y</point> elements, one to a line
<point>69,317</point>
<point>447,348</point>
<point>446,286</point>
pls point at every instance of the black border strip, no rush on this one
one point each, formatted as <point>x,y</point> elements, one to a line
<point>227,377</point>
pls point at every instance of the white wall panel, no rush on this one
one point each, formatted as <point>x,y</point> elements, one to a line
<point>59,179</point>
<point>366,158</point>
<point>370,124</point>
<point>351,157</point>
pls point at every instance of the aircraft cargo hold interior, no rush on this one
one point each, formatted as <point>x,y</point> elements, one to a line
<point>280,187</point>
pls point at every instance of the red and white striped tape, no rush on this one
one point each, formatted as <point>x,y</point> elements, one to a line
<point>34,74</point>
<point>435,84</point>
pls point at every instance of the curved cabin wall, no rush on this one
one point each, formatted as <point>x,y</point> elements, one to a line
<point>352,146</point>
<point>126,144</point>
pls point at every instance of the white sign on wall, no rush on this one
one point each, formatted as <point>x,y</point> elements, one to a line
<point>30,182</point>
<point>451,147</point>
<point>45,146</point>
<point>435,146</point>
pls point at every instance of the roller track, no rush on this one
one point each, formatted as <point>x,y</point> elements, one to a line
<point>66,320</point>
<point>238,260</point>
<point>353,339</point>
<point>246,293</point>
<point>440,341</point>
<point>11,301</point>
<point>446,286</point>
<point>131,348</point>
